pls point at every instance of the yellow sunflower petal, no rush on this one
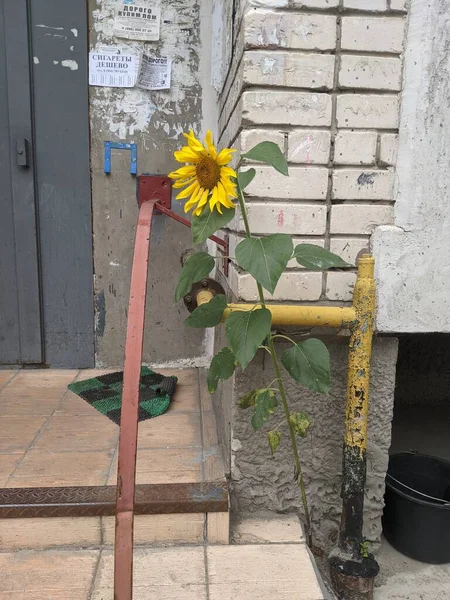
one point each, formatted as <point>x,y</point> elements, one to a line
<point>228,172</point>
<point>223,196</point>
<point>224,156</point>
<point>193,201</point>
<point>210,144</point>
<point>183,183</point>
<point>193,142</point>
<point>214,199</point>
<point>188,191</point>
<point>182,172</point>
<point>186,155</point>
<point>204,199</point>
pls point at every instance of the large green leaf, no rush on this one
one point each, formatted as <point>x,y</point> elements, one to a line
<point>300,423</point>
<point>209,314</point>
<point>209,222</point>
<point>315,257</point>
<point>265,258</point>
<point>270,154</point>
<point>222,367</point>
<point>196,267</point>
<point>309,364</point>
<point>245,178</point>
<point>274,438</point>
<point>246,331</point>
<point>266,403</point>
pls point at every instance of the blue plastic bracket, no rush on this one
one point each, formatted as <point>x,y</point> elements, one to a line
<point>120,146</point>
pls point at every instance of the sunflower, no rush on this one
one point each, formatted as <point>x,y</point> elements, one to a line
<point>207,175</point>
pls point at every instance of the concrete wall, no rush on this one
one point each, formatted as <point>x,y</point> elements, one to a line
<point>413,257</point>
<point>153,120</point>
<point>260,482</point>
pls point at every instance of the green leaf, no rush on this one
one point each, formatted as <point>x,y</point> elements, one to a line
<point>265,258</point>
<point>246,331</point>
<point>209,314</point>
<point>266,403</point>
<point>300,423</point>
<point>309,364</point>
<point>222,367</point>
<point>245,178</point>
<point>315,257</point>
<point>270,154</point>
<point>248,400</point>
<point>274,438</point>
<point>196,267</point>
<point>209,222</point>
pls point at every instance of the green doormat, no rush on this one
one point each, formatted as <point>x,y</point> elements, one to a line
<point>104,393</point>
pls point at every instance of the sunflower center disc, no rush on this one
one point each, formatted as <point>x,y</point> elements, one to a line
<point>208,173</point>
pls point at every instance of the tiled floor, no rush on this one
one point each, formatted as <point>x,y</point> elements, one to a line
<point>51,437</point>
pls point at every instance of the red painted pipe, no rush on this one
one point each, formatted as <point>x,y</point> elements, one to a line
<point>126,474</point>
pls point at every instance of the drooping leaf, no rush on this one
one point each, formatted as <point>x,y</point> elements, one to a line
<point>248,400</point>
<point>196,267</point>
<point>245,178</point>
<point>266,403</point>
<point>274,438</point>
<point>209,314</point>
<point>246,331</point>
<point>315,257</point>
<point>270,154</point>
<point>209,222</point>
<point>222,367</point>
<point>300,422</point>
<point>309,364</point>
<point>265,258</point>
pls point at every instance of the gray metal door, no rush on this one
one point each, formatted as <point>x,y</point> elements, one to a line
<point>46,267</point>
<point>20,315</point>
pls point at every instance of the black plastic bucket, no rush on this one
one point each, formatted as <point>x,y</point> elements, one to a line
<point>416,519</point>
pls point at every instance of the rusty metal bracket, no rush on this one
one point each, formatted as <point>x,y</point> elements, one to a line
<point>154,187</point>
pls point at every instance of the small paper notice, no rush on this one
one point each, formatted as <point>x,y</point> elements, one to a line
<point>155,73</point>
<point>137,22</point>
<point>113,69</point>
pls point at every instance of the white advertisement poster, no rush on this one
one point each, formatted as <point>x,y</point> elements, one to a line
<point>155,73</point>
<point>113,68</point>
<point>137,22</point>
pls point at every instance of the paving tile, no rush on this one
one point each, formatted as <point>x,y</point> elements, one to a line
<point>53,469</point>
<point>279,529</point>
<point>15,403</point>
<point>166,466</point>
<point>8,462</point>
<point>72,404</point>
<point>264,572</point>
<point>186,399</point>
<point>185,376</point>
<point>18,433</point>
<point>18,534</point>
<point>78,433</point>
<point>52,575</point>
<point>170,431</point>
<point>6,375</point>
<point>90,373</point>
<point>218,528</point>
<point>163,573</point>
<point>155,529</point>
<point>43,379</point>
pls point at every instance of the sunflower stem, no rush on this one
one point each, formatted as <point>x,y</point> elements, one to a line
<point>281,388</point>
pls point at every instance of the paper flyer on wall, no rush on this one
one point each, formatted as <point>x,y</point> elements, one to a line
<point>155,73</point>
<point>113,67</point>
<point>137,22</point>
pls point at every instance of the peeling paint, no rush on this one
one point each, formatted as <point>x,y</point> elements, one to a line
<point>50,27</point>
<point>35,60</point>
<point>75,32</point>
<point>70,64</point>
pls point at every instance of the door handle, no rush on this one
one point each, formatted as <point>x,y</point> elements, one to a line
<point>23,153</point>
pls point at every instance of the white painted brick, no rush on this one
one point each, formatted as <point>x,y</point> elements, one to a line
<point>399,5</point>
<point>315,3</point>
<point>355,147</point>
<point>359,218</point>
<point>354,184</point>
<point>269,3</point>
<point>368,111</point>
<point>293,286</point>
<point>388,148</point>
<point>282,217</point>
<point>349,248</point>
<point>292,108</point>
<point>314,71</point>
<point>303,183</point>
<point>309,146</point>
<point>373,34</point>
<point>340,286</point>
<point>370,72</point>
<point>251,137</point>
<point>264,29</point>
<point>373,5</point>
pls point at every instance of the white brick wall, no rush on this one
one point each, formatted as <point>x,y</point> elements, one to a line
<point>294,62</point>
